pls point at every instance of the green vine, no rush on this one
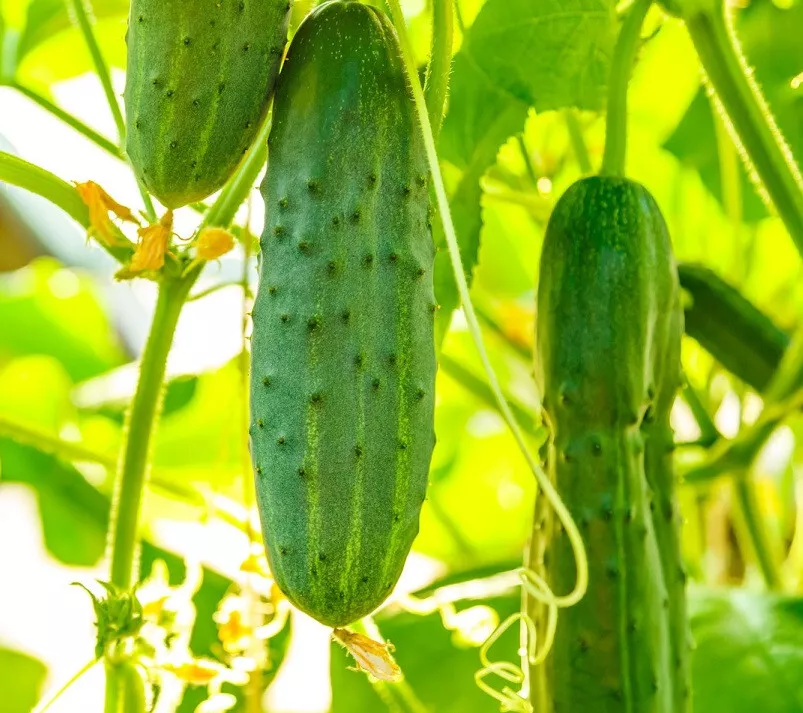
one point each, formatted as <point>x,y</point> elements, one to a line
<point>750,121</point>
<point>624,56</point>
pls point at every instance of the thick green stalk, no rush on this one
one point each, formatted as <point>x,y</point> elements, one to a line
<point>624,56</point>
<point>440,62</point>
<point>141,425</point>
<point>750,119</point>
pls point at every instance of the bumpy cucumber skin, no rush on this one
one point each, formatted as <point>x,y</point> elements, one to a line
<point>343,356</point>
<point>728,326</point>
<point>198,85</point>
<point>607,305</point>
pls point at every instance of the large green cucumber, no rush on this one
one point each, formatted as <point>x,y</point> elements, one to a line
<point>199,80</point>
<point>607,308</point>
<point>343,356</point>
<point>728,326</point>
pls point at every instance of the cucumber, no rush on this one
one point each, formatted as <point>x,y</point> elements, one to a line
<point>199,80</point>
<point>730,328</point>
<point>606,332</point>
<point>343,355</point>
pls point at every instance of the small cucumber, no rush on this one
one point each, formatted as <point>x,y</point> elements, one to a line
<point>343,356</point>
<point>199,80</point>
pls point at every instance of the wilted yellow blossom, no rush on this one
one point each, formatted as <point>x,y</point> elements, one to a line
<point>371,656</point>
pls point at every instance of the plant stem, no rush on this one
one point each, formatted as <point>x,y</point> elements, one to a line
<point>141,425</point>
<point>101,67</point>
<point>578,142</point>
<point>71,121</point>
<point>573,534</point>
<point>440,62</point>
<point>624,57</point>
<point>756,533</point>
<point>750,120</point>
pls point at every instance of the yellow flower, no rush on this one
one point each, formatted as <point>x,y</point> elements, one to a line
<point>100,204</point>
<point>214,242</point>
<point>152,246</point>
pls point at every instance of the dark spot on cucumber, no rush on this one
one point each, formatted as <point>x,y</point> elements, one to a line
<point>316,399</point>
<point>241,5</point>
<point>336,220</point>
<point>260,423</point>
<point>138,124</point>
<point>278,230</point>
<point>187,41</point>
<point>258,470</point>
<point>359,361</point>
<point>419,394</point>
<point>421,180</point>
<point>173,144</point>
<point>331,267</point>
<point>169,93</point>
<point>314,322</point>
<point>403,445</point>
<point>396,517</point>
<point>283,202</point>
<point>420,272</point>
<point>322,556</point>
<point>302,472</point>
<point>140,19</point>
<point>196,102</point>
<point>596,448</point>
<point>358,451</point>
<point>156,82</point>
<point>283,550</point>
<point>345,315</point>
<point>304,247</point>
<point>375,384</point>
<point>392,359</point>
<point>393,258</point>
<point>406,191</point>
<point>221,87</point>
<point>371,179</point>
<point>632,626</point>
<point>247,124</point>
<point>368,260</point>
<point>364,579</point>
<point>582,644</point>
<point>246,47</point>
<point>281,440</point>
<point>313,187</point>
<point>356,215</point>
<point>272,291</point>
<point>266,381</point>
<point>433,308</point>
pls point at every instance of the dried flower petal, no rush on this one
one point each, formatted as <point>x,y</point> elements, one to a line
<point>371,656</point>
<point>214,242</point>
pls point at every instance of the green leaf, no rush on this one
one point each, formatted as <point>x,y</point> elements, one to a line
<point>48,18</point>
<point>47,309</point>
<point>23,678</point>
<point>749,652</point>
<point>517,54</point>
<point>770,39</point>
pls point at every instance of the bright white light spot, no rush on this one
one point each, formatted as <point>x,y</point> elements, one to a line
<point>484,424</point>
<point>797,81</point>
<point>64,284</point>
<point>727,417</point>
<point>544,185</point>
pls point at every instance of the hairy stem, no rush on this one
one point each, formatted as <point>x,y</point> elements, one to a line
<point>440,62</point>
<point>750,121</point>
<point>624,56</point>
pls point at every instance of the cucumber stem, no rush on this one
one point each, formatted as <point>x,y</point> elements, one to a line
<point>578,141</point>
<point>750,121</point>
<point>440,62</point>
<point>756,534</point>
<point>624,57</point>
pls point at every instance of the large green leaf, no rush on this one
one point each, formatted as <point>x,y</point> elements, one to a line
<point>517,54</point>
<point>770,38</point>
<point>23,678</point>
<point>749,653</point>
